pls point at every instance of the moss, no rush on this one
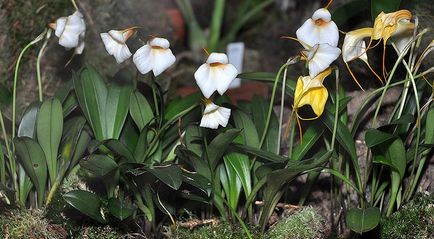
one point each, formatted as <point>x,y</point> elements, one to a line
<point>306,223</point>
<point>28,224</point>
<point>95,232</point>
<point>413,220</point>
<point>220,231</point>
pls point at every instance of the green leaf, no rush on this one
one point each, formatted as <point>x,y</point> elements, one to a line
<point>310,137</point>
<point>27,126</point>
<point>245,123</point>
<point>198,181</point>
<point>69,105</point>
<point>120,149</point>
<point>374,137</point>
<point>363,220</point>
<point>86,202</point>
<point>116,109</point>
<point>258,76</point>
<point>32,158</point>
<point>140,110</point>
<point>386,6</point>
<point>231,184</point>
<point>429,130</point>
<point>169,175</point>
<point>99,165</point>
<point>193,139</point>
<point>269,156</point>
<point>176,106</point>
<point>120,209</point>
<point>49,131</point>
<point>395,153</point>
<point>92,92</point>
<point>218,146</point>
<point>260,113</point>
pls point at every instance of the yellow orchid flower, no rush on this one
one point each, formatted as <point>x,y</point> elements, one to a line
<point>309,91</point>
<point>387,25</point>
<point>354,47</point>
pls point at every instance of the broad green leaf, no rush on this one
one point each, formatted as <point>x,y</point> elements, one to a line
<point>363,220</point>
<point>198,181</point>
<point>260,113</point>
<point>193,139</point>
<point>86,202</point>
<point>129,135</point>
<point>25,184</point>
<point>396,155</point>
<point>120,209</point>
<point>70,146</point>
<point>374,137</point>
<point>27,126</point>
<point>178,105</point>
<point>386,6</point>
<point>258,76</point>
<point>120,149</point>
<point>429,130</point>
<point>140,110</point>
<point>169,175</point>
<point>62,93</point>
<point>49,131</point>
<point>310,137</point>
<point>80,149</point>
<point>99,165</point>
<point>92,92</point>
<point>405,119</point>
<point>231,184</point>
<point>69,105</point>
<point>32,158</point>
<point>272,157</point>
<point>240,165</point>
<point>116,109</point>
<point>248,129</point>
<point>218,146</point>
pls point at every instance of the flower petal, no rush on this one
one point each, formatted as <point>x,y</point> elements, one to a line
<point>142,59</point>
<point>204,81</point>
<point>223,75</point>
<point>215,115</point>
<point>114,43</point>
<point>354,46</point>
<point>162,59</point>
<point>321,57</point>
<point>318,29</point>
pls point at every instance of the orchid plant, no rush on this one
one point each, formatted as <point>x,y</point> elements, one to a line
<point>141,146</point>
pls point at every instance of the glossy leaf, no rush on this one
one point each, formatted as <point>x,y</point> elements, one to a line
<point>27,126</point>
<point>429,130</point>
<point>193,139</point>
<point>260,113</point>
<point>310,137</point>
<point>32,158</point>
<point>218,146</point>
<point>178,105</point>
<point>99,165</point>
<point>169,175</point>
<point>362,220</point>
<point>86,202</point>
<point>70,104</point>
<point>140,110</point>
<point>120,149</point>
<point>374,137</point>
<point>120,209</point>
<point>116,109</point>
<point>248,129</point>
<point>49,131</point>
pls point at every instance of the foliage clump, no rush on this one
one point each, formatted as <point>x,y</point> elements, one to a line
<point>220,231</point>
<point>413,220</point>
<point>28,224</point>
<point>306,223</point>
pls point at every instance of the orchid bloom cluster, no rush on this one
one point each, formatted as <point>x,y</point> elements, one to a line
<point>214,75</point>
<point>319,37</point>
<point>396,27</point>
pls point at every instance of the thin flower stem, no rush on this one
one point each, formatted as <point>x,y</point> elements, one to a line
<point>154,95</point>
<point>335,125</point>
<point>74,4</point>
<point>12,165</point>
<point>282,104</point>
<point>38,64</point>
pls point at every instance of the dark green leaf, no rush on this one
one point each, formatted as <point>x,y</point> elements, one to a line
<point>32,158</point>
<point>5,96</point>
<point>310,137</point>
<point>363,220</point>
<point>140,110</point>
<point>116,109</point>
<point>178,105</point>
<point>348,10</point>
<point>86,202</point>
<point>99,165</point>
<point>120,209</point>
<point>49,131</point>
<point>245,123</point>
<point>374,137</point>
<point>218,146</point>
<point>120,149</point>
<point>260,113</point>
<point>27,126</point>
<point>429,130</point>
<point>169,175</point>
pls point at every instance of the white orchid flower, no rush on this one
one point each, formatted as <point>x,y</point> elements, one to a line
<point>319,57</point>
<point>354,47</point>
<point>114,43</point>
<point>155,55</point>
<point>215,75</point>
<point>214,115</point>
<point>70,31</point>
<point>318,29</point>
